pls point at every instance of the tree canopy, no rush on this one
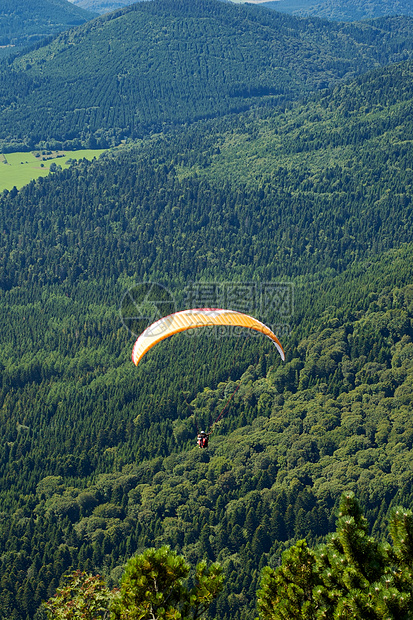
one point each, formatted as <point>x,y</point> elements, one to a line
<point>155,65</point>
<point>154,586</point>
<point>23,24</point>
<point>343,10</point>
<point>98,458</point>
<point>352,575</point>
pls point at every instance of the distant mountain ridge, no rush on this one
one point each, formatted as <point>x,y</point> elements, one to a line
<point>23,23</point>
<point>102,6</point>
<point>165,62</point>
<point>339,10</point>
<point>342,10</point>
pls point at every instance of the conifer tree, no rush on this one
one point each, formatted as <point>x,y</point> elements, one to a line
<point>286,592</point>
<point>350,576</point>
<point>154,586</point>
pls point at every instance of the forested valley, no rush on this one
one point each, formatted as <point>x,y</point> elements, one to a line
<point>98,457</point>
<point>155,65</point>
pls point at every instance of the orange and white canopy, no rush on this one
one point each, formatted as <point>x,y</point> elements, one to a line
<point>192,319</point>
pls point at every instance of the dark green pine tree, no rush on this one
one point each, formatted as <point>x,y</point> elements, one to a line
<point>349,564</point>
<point>352,576</point>
<point>287,591</point>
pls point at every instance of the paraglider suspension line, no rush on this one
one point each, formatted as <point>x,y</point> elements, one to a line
<point>225,406</point>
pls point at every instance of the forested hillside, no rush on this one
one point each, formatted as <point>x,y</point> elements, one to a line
<point>157,64</point>
<point>340,10</point>
<point>354,130</point>
<point>343,10</point>
<point>98,458</point>
<point>23,23</point>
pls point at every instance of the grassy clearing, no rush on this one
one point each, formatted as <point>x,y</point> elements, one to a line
<point>18,169</point>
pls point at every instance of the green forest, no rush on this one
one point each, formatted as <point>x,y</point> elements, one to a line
<point>298,211</point>
<point>22,24</point>
<point>154,65</point>
<point>342,10</point>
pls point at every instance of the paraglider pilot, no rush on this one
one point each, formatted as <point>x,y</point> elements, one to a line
<point>202,439</point>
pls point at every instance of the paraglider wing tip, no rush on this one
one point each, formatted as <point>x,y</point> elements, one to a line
<point>277,343</point>
<point>281,352</point>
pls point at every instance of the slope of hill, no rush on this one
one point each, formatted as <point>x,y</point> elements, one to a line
<point>23,23</point>
<point>342,163</point>
<point>342,10</point>
<point>164,62</point>
<point>97,458</point>
<point>348,128</point>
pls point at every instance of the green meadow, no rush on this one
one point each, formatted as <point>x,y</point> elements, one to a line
<point>18,169</point>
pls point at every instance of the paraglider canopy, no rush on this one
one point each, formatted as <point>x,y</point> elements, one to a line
<point>192,319</point>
